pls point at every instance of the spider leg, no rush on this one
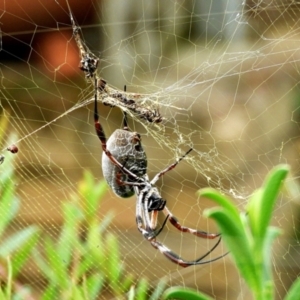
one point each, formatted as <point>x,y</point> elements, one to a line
<point>99,129</point>
<point>139,215</point>
<point>125,123</point>
<point>180,261</point>
<point>199,233</point>
<point>173,220</point>
<point>169,168</point>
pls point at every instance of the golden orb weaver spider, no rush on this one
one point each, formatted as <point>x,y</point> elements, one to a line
<point>124,165</point>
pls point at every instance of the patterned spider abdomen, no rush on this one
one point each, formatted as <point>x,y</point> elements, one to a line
<point>126,147</point>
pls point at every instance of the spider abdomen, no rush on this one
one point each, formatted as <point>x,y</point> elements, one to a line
<point>125,146</point>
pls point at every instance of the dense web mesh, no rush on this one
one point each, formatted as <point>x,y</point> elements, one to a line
<point>223,75</point>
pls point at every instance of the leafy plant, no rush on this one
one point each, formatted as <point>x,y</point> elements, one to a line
<point>248,237</point>
<point>85,259</point>
<point>16,248</point>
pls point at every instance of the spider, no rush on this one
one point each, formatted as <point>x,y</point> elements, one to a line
<point>124,165</point>
<point>122,151</point>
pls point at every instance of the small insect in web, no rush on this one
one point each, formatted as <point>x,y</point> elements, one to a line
<point>108,95</point>
<point>124,165</point>
<point>13,149</point>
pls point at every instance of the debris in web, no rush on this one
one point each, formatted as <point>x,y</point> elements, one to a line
<point>106,94</point>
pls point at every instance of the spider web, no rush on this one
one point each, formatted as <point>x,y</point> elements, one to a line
<point>223,75</point>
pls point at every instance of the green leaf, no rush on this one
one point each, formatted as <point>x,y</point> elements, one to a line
<point>95,243</point>
<point>131,293</point>
<point>50,293</point>
<point>222,201</point>
<point>58,266</point>
<point>9,205</point>
<point>182,293</point>
<point>43,265</point>
<point>76,293</point>
<point>237,243</point>
<point>23,252</point>
<point>2,294</point>
<point>8,287</point>
<point>94,284</point>
<point>261,204</point>
<point>127,282</point>
<point>158,290</point>
<point>92,195</point>
<point>68,239</point>
<point>142,289</point>
<point>17,241</point>
<point>86,264</point>
<point>267,267</point>
<point>294,291</point>
<point>114,263</point>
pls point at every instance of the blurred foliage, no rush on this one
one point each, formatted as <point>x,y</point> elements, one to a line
<point>249,236</point>
<point>84,261</point>
<point>16,247</point>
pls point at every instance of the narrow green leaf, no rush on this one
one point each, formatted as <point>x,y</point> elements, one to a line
<point>2,294</point>
<point>294,291</point>
<point>127,282</point>
<point>131,293</point>
<point>9,204</point>
<point>43,265</point>
<point>50,293</point>
<point>114,263</point>
<point>68,240</point>
<point>16,241</point>
<point>236,240</point>
<point>8,287</point>
<point>86,264</point>
<point>261,205</point>
<point>158,290</point>
<point>76,293</point>
<point>262,255</point>
<point>272,233</point>
<point>92,194</point>
<point>93,285</point>
<point>182,293</point>
<point>105,222</point>
<point>223,201</point>
<point>95,243</point>
<point>142,289</point>
<point>23,252</point>
<point>58,266</point>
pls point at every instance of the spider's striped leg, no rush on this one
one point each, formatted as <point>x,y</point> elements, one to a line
<point>180,261</point>
<point>199,233</point>
<point>139,213</point>
<point>169,168</point>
